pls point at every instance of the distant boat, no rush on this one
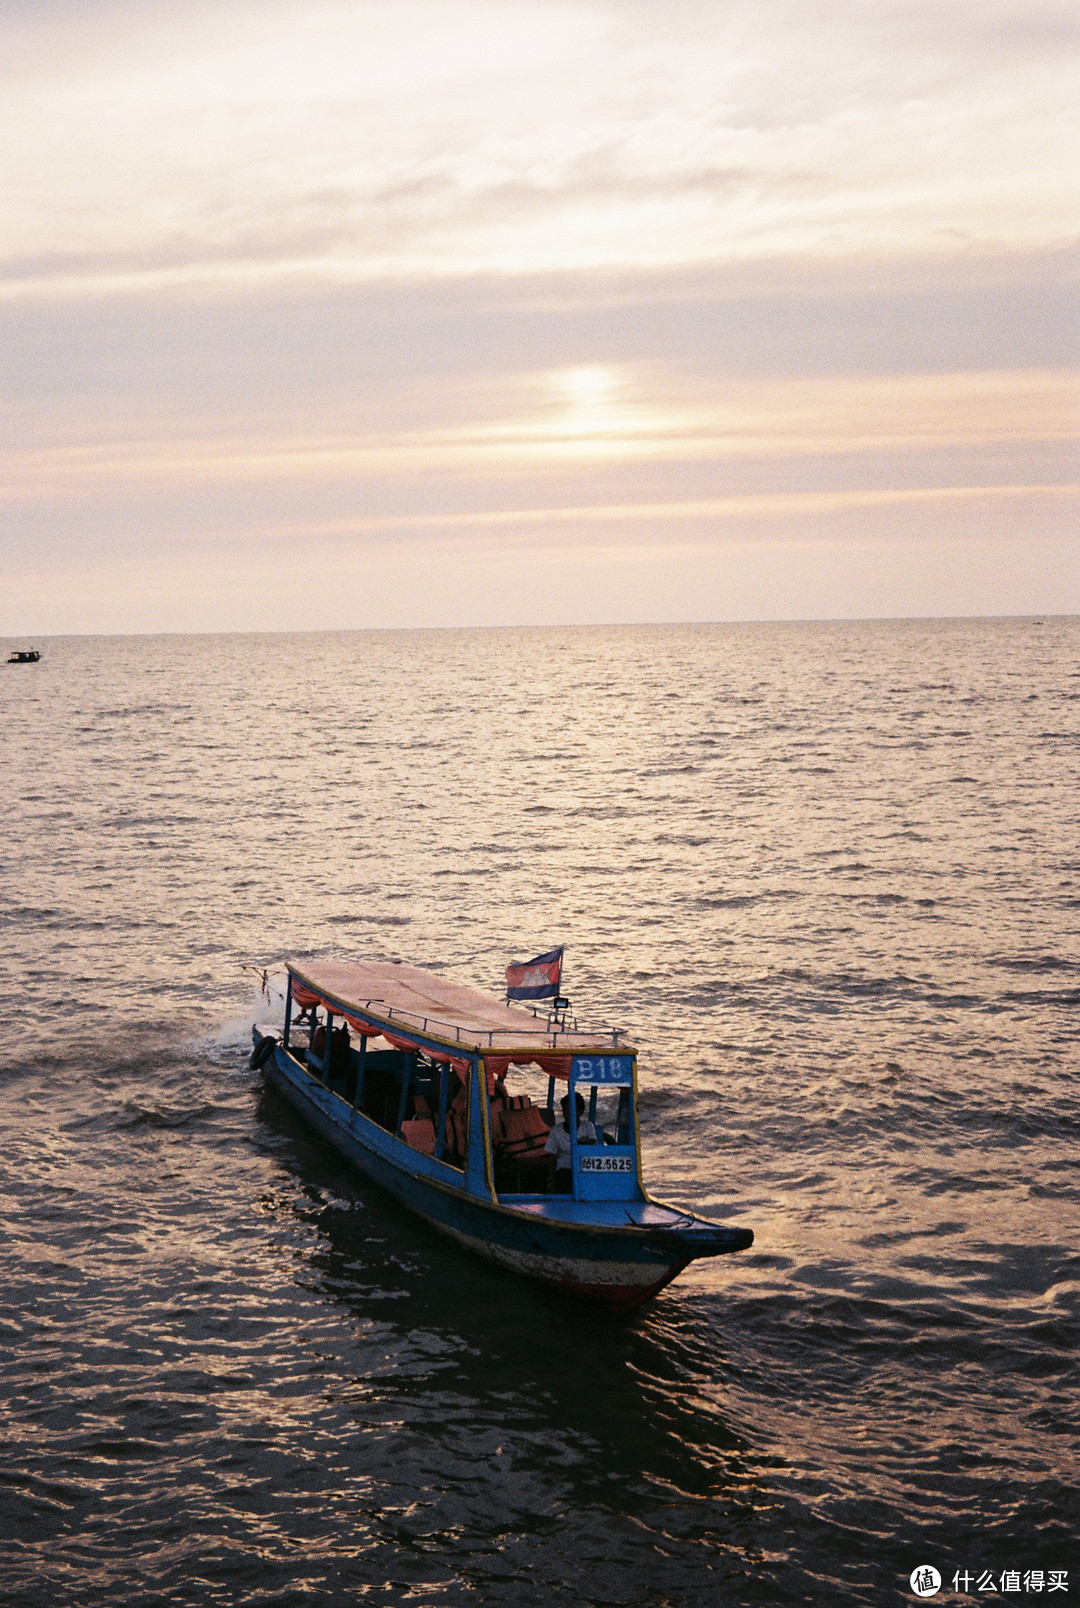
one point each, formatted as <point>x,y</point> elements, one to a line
<point>423,1107</point>
<point>24,656</point>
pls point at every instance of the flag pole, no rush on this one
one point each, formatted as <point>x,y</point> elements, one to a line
<point>560,1015</point>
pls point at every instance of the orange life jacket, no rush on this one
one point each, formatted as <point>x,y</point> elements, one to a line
<point>454,1135</point>
<point>523,1133</point>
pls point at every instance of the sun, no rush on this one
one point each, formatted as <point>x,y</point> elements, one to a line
<point>588,389</point>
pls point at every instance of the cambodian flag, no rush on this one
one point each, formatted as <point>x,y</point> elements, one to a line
<point>535,979</point>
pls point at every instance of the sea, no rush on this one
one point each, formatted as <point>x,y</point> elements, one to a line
<point>826,875</point>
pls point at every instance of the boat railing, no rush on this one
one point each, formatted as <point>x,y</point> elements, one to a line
<point>514,1035</point>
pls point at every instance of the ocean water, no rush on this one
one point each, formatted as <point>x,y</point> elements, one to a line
<point>828,876</point>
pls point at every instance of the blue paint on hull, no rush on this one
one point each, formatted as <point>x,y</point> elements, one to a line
<point>605,1251</point>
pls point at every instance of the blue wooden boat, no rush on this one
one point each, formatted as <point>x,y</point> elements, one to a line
<point>433,1103</point>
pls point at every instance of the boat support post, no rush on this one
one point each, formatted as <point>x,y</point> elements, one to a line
<point>571,1127</point>
<point>288,1014</point>
<point>328,1046</point>
<point>478,1179</point>
<point>359,1100</point>
<point>444,1095</point>
<point>406,1084</point>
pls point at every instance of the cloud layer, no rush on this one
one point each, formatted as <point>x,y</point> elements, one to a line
<point>525,278</point>
<point>449,136</point>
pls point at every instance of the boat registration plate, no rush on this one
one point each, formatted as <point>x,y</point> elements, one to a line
<point>606,1164</point>
<point>617,1069</point>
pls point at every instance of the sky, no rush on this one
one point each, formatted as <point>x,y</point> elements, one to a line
<point>498,312</point>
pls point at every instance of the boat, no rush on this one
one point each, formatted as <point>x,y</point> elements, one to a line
<point>447,1100</point>
<point>24,656</point>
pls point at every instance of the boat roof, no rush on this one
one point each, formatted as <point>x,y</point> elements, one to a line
<point>427,1009</point>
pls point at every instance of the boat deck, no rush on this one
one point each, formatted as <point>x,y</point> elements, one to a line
<point>603,1213</point>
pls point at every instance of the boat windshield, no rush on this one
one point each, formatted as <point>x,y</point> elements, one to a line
<point>533,1152</point>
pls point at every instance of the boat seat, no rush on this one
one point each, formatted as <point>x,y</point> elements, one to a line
<point>419,1134</point>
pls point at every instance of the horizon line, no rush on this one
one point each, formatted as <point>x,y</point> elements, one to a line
<point>567,625</point>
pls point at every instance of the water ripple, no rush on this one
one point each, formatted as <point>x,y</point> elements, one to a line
<point>827,877</point>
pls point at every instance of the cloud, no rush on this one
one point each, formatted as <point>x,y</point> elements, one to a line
<point>484,284</point>
<point>532,426</point>
<point>361,352</point>
<point>232,142</point>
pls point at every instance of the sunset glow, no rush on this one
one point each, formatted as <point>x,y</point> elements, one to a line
<point>758,253</point>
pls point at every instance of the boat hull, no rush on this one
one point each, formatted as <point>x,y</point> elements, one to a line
<point>617,1266</point>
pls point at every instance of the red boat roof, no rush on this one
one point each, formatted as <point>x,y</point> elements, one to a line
<point>407,1001</point>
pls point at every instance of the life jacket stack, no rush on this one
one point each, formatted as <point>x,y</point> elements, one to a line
<point>456,1128</point>
<point>519,1132</point>
<point>340,1046</point>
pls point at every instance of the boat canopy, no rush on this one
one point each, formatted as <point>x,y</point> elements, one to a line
<point>450,1022</point>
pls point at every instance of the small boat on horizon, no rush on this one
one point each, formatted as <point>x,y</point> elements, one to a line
<point>449,1103</point>
<point>24,656</point>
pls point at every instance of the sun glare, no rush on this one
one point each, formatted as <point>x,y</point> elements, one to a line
<point>588,389</point>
